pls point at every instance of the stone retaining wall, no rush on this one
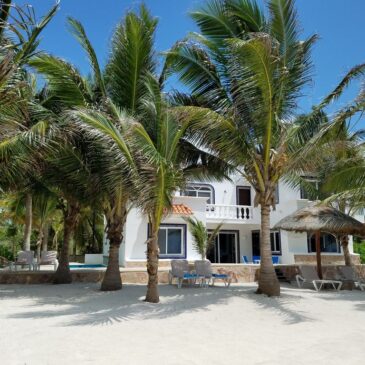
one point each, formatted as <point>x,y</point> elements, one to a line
<point>243,273</point>
<point>308,259</point>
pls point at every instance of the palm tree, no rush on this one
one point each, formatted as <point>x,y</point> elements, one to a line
<point>246,71</point>
<point>166,160</point>
<point>16,93</point>
<point>100,107</point>
<point>203,239</point>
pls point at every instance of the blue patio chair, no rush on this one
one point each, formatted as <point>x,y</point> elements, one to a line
<point>245,260</point>
<point>275,260</point>
<point>180,271</point>
<point>256,259</point>
<point>204,272</point>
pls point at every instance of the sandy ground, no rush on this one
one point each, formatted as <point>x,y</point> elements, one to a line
<point>77,324</point>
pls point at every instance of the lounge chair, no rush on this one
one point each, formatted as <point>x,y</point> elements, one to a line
<point>256,259</point>
<point>203,269</point>
<point>245,260</point>
<point>308,274</point>
<point>349,274</point>
<point>275,260</point>
<point>180,271</point>
<point>47,258</point>
<point>24,258</point>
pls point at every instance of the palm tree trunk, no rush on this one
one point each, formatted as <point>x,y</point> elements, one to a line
<point>112,279</point>
<point>268,281</point>
<point>152,295</point>
<point>71,215</point>
<point>346,251</point>
<point>28,222</point>
<point>39,243</point>
<point>115,225</point>
<point>45,237</point>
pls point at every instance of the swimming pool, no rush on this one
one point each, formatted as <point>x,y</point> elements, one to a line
<point>83,266</point>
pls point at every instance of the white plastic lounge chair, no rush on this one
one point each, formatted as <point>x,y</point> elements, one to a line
<point>24,258</point>
<point>203,269</point>
<point>47,258</point>
<point>180,271</point>
<point>349,274</point>
<point>308,274</point>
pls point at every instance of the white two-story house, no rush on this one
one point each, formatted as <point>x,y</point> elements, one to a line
<point>230,202</point>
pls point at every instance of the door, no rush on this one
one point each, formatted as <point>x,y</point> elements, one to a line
<point>225,248</point>
<point>244,195</point>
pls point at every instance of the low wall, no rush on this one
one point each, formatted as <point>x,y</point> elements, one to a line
<point>243,273</point>
<point>327,259</point>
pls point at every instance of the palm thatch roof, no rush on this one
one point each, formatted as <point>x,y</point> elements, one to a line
<point>323,219</point>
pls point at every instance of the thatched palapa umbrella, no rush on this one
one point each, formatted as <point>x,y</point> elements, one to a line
<point>317,219</point>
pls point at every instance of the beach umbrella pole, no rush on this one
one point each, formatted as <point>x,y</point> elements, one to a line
<point>318,254</point>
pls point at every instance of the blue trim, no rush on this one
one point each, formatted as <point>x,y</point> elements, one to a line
<point>170,257</point>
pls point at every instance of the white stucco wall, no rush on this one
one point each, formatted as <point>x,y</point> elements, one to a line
<point>135,236</point>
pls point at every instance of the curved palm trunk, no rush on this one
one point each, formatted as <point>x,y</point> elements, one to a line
<point>45,237</point>
<point>28,222</point>
<point>346,251</point>
<point>152,295</point>
<point>115,225</point>
<point>268,281</point>
<point>63,273</point>
<point>39,243</point>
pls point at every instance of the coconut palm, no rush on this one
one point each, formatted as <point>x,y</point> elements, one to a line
<point>246,70</point>
<point>16,92</point>
<point>101,112</point>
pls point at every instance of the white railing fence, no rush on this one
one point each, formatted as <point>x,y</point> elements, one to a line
<point>232,212</point>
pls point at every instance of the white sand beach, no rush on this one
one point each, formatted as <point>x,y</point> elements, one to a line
<point>77,324</point>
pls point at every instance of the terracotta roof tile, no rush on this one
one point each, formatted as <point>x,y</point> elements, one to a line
<point>181,209</point>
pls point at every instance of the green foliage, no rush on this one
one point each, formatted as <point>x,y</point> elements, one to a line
<point>359,247</point>
<point>203,239</point>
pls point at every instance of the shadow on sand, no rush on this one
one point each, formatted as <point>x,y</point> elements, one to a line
<point>84,304</point>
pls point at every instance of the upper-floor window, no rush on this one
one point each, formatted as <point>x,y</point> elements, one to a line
<point>309,188</point>
<point>277,194</point>
<point>200,191</point>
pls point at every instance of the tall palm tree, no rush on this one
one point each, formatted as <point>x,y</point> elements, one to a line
<point>246,70</point>
<point>101,106</point>
<point>16,92</point>
<point>166,160</point>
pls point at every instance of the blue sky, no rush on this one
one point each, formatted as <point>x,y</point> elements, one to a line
<point>339,23</point>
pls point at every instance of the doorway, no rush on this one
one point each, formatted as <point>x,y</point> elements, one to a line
<point>225,248</point>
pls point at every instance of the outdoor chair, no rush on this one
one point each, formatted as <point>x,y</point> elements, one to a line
<point>24,258</point>
<point>47,258</point>
<point>245,260</point>
<point>308,274</point>
<point>180,271</point>
<point>275,260</point>
<point>203,269</point>
<point>256,259</point>
<point>348,273</point>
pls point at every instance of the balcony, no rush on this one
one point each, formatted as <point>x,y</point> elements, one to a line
<point>238,213</point>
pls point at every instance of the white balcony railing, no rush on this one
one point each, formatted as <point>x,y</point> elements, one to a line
<point>231,212</point>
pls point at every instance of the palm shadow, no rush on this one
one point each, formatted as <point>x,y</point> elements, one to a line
<point>86,305</point>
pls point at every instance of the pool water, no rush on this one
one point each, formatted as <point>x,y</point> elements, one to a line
<point>83,266</point>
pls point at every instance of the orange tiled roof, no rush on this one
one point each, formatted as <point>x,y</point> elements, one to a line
<point>181,209</point>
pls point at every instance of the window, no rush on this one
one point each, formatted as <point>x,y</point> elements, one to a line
<point>200,191</point>
<point>172,240</point>
<point>275,241</point>
<point>328,243</point>
<point>309,188</point>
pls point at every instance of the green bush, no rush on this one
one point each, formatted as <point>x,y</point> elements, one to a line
<point>359,247</point>
<point>5,251</point>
